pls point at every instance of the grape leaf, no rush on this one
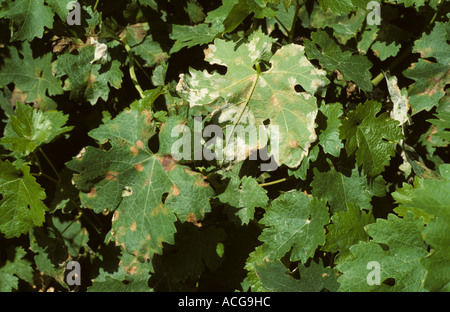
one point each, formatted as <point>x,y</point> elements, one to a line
<point>432,72</point>
<point>430,199</point>
<point>340,190</point>
<point>138,37</point>
<point>29,128</point>
<point>372,137</point>
<point>353,67</point>
<point>29,18</point>
<point>60,7</point>
<point>275,277</point>
<point>14,267</point>
<point>21,206</point>
<point>329,138</point>
<point>244,194</point>
<point>31,75</point>
<point>346,230</point>
<point>50,252</point>
<point>86,80</point>
<point>146,191</point>
<point>257,95</point>
<point>294,220</point>
<point>399,259</point>
<point>124,275</point>
<point>344,26</point>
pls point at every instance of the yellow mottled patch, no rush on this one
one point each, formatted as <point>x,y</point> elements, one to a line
<point>159,209</point>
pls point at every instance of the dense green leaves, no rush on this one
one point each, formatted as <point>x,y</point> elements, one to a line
<point>352,67</point>
<point>372,138</point>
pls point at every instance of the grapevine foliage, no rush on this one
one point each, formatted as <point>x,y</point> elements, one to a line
<point>348,118</point>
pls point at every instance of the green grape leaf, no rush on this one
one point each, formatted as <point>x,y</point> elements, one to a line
<point>86,80</point>
<point>273,276</point>
<point>293,220</point>
<point>346,230</point>
<point>28,18</point>
<point>244,194</point>
<point>51,254</point>
<point>353,67</point>
<point>13,267</point>
<point>345,27</point>
<point>372,137</point>
<point>29,128</point>
<point>189,36</point>
<point>253,97</point>
<point>432,72</point>
<point>341,190</point>
<point>430,199</point>
<point>339,7</point>
<point>60,7</point>
<point>125,275</point>
<point>138,37</point>
<point>329,138</point>
<point>150,3</point>
<point>21,206</point>
<point>397,246</point>
<point>146,191</point>
<point>33,76</point>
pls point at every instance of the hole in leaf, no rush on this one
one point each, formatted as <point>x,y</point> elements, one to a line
<point>125,282</point>
<point>164,197</point>
<point>298,88</point>
<point>384,246</point>
<point>389,281</point>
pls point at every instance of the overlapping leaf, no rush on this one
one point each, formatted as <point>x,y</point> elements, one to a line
<point>244,194</point>
<point>398,247</point>
<point>293,220</point>
<point>86,80</point>
<point>341,190</point>
<point>14,267</point>
<point>29,18</point>
<point>146,191</point>
<point>353,67</point>
<point>371,137</point>
<point>429,198</point>
<point>21,206</point>
<point>33,76</point>
<point>29,128</point>
<point>432,71</point>
<point>253,96</point>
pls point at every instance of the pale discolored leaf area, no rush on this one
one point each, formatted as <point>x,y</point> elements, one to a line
<point>253,96</point>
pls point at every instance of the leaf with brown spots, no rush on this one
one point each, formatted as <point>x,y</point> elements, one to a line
<point>146,191</point>
<point>432,71</point>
